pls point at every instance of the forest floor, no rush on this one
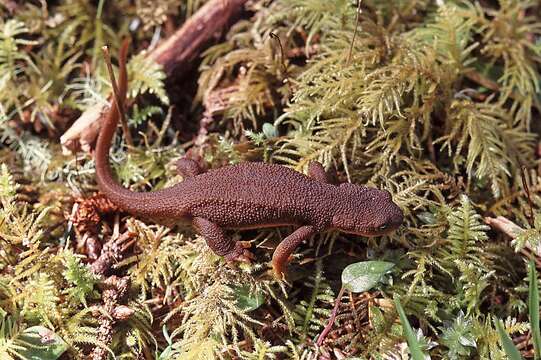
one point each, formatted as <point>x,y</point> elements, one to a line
<point>437,102</point>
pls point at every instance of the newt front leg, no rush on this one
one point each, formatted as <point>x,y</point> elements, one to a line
<point>287,246</point>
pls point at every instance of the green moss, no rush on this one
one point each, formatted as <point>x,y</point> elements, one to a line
<point>434,101</point>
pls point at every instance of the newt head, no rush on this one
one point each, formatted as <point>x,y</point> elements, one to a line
<point>366,211</point>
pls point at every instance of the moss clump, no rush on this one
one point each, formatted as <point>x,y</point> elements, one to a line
<point>436,102</point>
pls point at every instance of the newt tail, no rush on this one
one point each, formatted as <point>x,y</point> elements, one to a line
<point>129,201</point>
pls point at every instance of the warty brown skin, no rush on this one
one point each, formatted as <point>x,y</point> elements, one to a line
<point>249,195</point>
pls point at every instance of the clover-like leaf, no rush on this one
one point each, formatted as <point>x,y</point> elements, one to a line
<point>248,300</point>
<point>43,344</point>
<point>363,276</point>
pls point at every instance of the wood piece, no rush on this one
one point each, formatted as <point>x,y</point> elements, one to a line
<point>175,55</point>
<point>185,45</point>
<point>506,226</point>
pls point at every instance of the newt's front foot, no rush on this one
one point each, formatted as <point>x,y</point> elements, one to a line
<point>278,271</point>
<point>240,253</point>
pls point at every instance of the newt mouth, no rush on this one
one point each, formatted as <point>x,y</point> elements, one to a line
<point>394,222</point>
<point>376,233</point>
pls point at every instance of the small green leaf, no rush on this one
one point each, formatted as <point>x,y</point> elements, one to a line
<point>427,217</point>
<point>363,276</point>
<point>247,300</point>
<point>269,130</point>
<point>533,309</point>
<point>507,343</point>
<point>43,344</point>
<point>413,344</point>
<point>166,353</point>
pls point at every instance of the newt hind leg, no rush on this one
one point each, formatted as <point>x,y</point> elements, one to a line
<point>219,243</point>
<point>317,171</point>
<point>188,168</point>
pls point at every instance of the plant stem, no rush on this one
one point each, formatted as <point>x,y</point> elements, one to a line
<point>98,39</point>
<point>330,324</point>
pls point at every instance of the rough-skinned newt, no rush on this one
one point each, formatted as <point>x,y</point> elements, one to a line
<point>248,196</point>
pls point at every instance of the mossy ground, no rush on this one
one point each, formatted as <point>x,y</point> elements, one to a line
<point>436,101</point>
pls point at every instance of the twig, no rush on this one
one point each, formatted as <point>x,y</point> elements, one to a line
<point>506,226</point>
<point>481,80</point>
<point>527,189</point>
<point>119,101</point>
<point>112,252</point>
<point>355,31</point>
<point>185,45</point>
<point>111,311</point>
<point>282,58</point>
<point>431,149</point>
<point>330,324</point>
<point>303,51</point>
<point>492,85</point>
